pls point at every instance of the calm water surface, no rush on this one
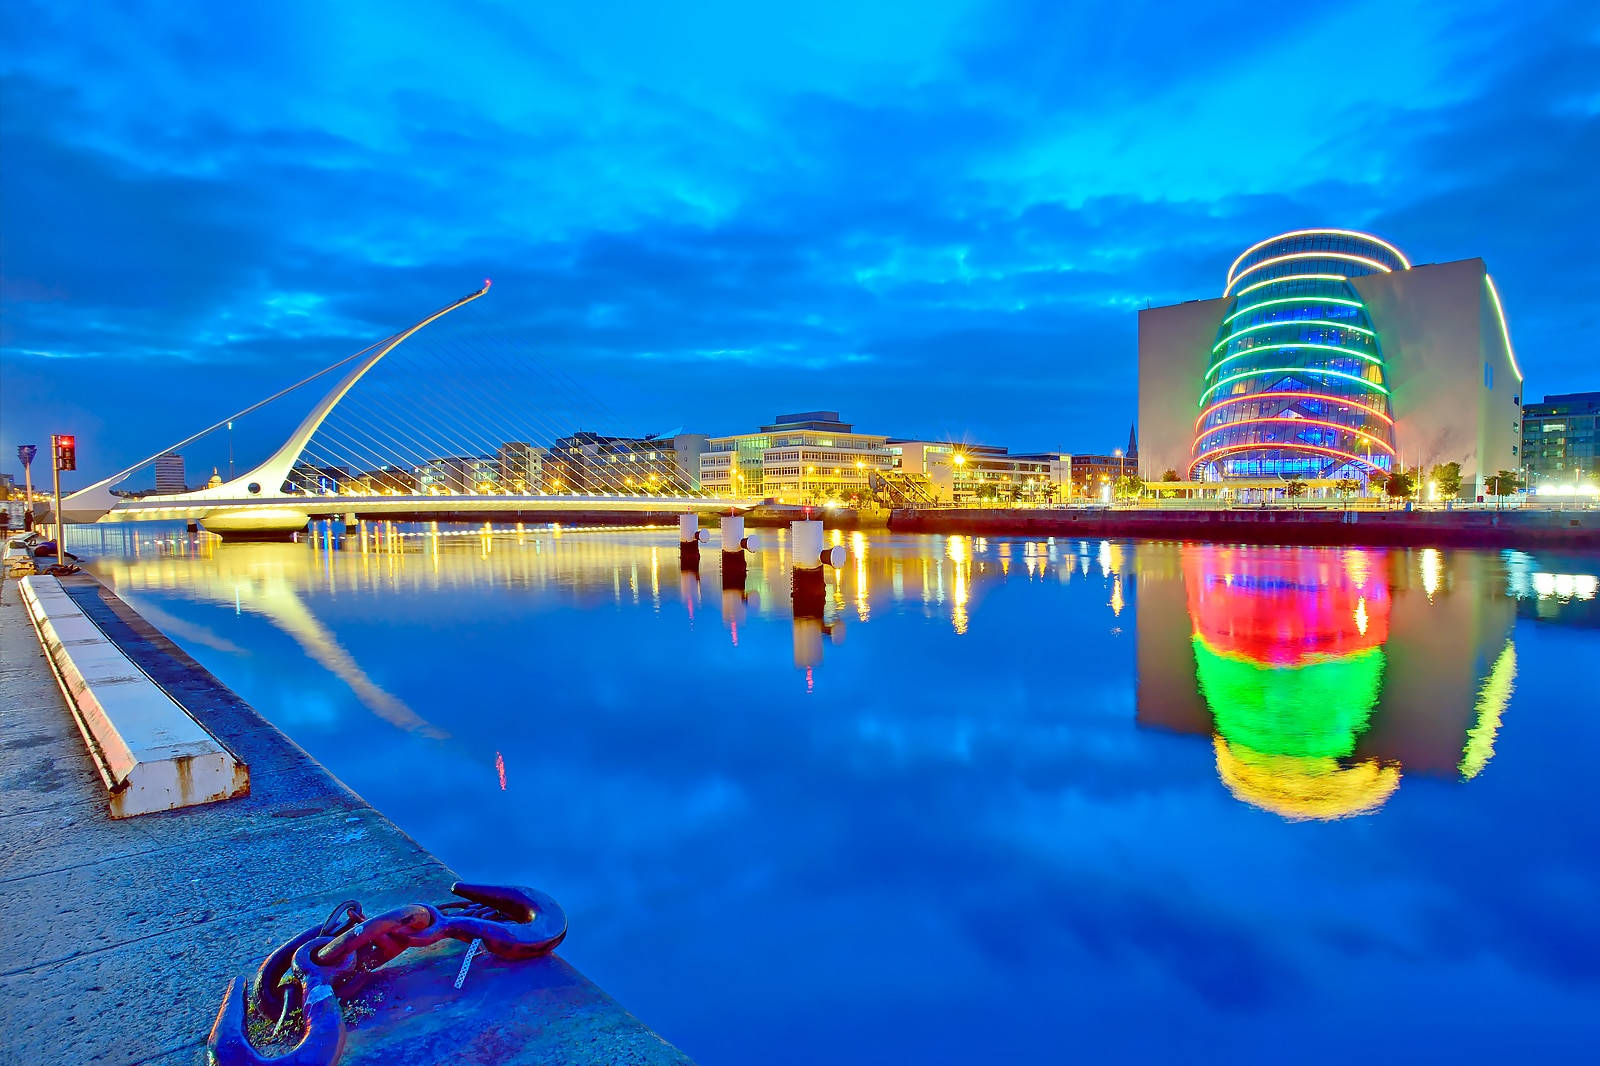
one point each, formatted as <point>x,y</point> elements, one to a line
<point>1004,800</point>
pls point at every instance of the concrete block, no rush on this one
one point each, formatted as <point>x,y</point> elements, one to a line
<point>151,754</point>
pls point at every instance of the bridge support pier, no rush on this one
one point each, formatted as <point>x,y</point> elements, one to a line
<point>254,523</point>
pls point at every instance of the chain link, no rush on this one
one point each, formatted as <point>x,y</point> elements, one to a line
<point>299,982</point>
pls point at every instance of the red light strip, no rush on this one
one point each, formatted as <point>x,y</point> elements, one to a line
<point>1203,456</point>
<point>1298,395</point>
<point>1385,445</point>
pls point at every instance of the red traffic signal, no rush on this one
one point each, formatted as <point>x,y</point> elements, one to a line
<point>66,451</point>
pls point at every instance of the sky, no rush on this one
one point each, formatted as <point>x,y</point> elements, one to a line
<point>939,218</point>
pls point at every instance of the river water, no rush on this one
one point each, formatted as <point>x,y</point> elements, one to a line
<point>1005,800</point>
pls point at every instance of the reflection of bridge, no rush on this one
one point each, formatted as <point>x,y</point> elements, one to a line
<point>258,502</point>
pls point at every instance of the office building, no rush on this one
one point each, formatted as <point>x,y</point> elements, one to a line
<point>169,474</point>
<point>801,457</point>
<point>1558,439</point>
<point>814,457</point>
<point>1330,358</point>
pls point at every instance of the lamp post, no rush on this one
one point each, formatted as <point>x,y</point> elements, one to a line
<point>26,452</point>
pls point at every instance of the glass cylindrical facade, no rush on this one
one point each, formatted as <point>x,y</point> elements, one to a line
<point>1296,385</point>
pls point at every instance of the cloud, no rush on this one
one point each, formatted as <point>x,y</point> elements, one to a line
<point>928,216</point>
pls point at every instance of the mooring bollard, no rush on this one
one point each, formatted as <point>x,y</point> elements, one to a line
<point>350,522</point>
<point>734,545</point>
<point>690,536</point>
<point>807,557</point>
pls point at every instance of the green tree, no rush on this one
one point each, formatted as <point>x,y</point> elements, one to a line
<point>1502,484</point>
<point>1346,486</point>
<point>1170,474</point>
<point>1400,485</point>
<point>1446,478</point>
<point>1129,486</point>
<point>1295,489</point>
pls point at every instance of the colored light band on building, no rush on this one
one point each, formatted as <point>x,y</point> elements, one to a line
<point>1324,397</point>
<point>1349,257</point>
<point>1318,233</point>
<point>1278,446</point>
<point>1291,322</point>
<point>1505,330</point>
<point>1286,278</point>
<point>1379,441</point>
<point>1302,300</point>
<point>1284,345</point>
<point>1293,370</point>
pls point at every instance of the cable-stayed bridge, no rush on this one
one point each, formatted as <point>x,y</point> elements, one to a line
<point>463,436</point>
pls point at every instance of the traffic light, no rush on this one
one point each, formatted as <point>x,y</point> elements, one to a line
<point>66,451</point>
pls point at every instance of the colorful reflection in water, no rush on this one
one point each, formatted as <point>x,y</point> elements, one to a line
<point>1288,650</point>
<point>990,800</point>
<point>1318,701</point>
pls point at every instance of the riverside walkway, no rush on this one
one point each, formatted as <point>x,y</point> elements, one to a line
<point>119,936</point>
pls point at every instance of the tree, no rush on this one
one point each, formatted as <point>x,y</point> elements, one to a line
<point>1295,489</point>
<point>1502,484</point>
<point>1446,478</point>
<point>1346,486</point>
<point>1400,485</point>
<point>1170,474</point>
<point>1129,485</point>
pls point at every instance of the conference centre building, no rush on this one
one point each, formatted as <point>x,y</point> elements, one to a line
<point>1330,359</point>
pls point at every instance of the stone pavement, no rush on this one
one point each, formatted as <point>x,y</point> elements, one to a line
<point>117,938</point>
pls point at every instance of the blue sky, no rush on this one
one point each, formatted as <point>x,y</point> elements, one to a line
<point>938,217</point>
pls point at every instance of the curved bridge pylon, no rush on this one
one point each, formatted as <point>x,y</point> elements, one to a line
<point>256,504</point>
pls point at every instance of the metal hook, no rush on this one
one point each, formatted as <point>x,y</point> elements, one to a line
<point>321,1044</point>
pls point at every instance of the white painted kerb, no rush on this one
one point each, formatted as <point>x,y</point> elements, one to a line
<point>150,753</point>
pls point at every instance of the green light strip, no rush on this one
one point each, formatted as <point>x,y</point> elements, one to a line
<point>1291,370</point>
<point>1294,300</point>
<point>1292,322</point>
<point>1286,278</point>
<point>1297,344</point>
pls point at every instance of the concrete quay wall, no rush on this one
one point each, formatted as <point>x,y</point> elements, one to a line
<point>120,935</point>
<point>1567,530</point>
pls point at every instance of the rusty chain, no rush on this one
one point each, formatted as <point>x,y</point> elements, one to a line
<point>298,985</point>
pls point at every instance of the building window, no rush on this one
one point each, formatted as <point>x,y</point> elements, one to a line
<point>1488,376</point>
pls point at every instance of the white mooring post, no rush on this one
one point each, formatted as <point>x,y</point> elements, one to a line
<point>807,557</point>
<point>690,535</point>
<point>734,540</point>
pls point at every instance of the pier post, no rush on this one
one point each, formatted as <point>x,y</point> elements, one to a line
<point>690,536</point>
<point>734,545</point>
<point>807,557</point>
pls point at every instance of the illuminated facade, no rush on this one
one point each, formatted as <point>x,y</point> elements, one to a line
<point>1330,358</point>
<point>811,456</point>
<point>1559,438</point>
<point>1296,385</point>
